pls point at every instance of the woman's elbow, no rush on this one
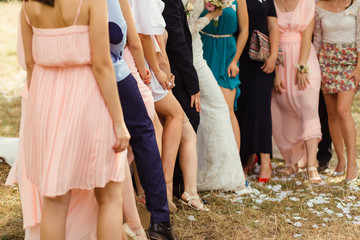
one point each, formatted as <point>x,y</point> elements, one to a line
<point>102,67</point>
<point>134,46</point>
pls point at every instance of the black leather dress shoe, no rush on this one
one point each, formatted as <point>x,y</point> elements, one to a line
<point>158,231</point>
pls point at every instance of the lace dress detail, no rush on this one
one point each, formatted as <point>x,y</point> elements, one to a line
<point>196,24</point>
<point>342,27</point>
<point>219,165</point>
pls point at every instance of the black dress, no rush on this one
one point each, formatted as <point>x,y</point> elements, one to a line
<point>254,104</point>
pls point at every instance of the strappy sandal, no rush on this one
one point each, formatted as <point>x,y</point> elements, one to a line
<point>189,201</point>
<point>131,235</point>
<point>288,170</point>
<point>314,177</point>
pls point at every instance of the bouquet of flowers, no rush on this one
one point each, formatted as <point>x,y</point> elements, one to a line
<point>212,5</point>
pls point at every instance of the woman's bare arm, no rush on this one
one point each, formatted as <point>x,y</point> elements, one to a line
<point>104,70</point>
<point>133,40</point>
<point>274,39</point>
<point>27,36</point>
<point>243,21</point>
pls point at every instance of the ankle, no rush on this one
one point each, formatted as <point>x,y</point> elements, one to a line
<point>191,192</point>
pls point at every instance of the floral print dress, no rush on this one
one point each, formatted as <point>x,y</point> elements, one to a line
<point>337,41</point>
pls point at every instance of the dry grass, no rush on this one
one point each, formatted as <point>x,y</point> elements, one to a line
<point>260,215</point>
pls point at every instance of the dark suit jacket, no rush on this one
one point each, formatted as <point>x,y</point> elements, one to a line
<point>179,46</point>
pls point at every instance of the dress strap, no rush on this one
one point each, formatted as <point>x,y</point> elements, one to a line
<point>26,16</point>
<point>78,12</point>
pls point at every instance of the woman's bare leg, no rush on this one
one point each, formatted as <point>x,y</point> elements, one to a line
<point>188,164</point>
<point>265,167</point>
<point>171,115</point>
<point>348,131</point>
<point>131,214</point>
<point>53,218</point>
<point>229,96</point>
<point>188,158</point>
<point>110,218</point>
<point>335,130</point>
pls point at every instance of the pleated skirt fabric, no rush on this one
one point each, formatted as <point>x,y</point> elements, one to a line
<point>68,135</point>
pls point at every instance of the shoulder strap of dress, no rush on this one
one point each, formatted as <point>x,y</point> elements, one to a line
<point>26,16</point>
<point>78,12</point>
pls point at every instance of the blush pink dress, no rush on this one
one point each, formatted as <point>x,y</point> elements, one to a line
<point>105,165</point>
<point>295,112</point>
<point>68,133</point>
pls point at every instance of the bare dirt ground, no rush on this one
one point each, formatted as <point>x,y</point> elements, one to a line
<point>286,208</point>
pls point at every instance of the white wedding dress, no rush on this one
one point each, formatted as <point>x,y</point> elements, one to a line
<point>219,165</point>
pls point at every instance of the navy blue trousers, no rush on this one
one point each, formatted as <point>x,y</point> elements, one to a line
<point>144,147</point>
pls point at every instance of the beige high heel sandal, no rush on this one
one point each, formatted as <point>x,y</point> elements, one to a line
<point>313,174</point>
<point>131,235</point>
<point>189,201</point>
<point>288,170</point>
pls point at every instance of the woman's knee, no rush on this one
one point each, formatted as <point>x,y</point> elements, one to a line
<point>188,135</point>
<point>58,201</point>
<point>343,113</point>
<point>111,193</point>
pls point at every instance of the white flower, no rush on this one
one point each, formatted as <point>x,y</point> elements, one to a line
<point>189,7</point>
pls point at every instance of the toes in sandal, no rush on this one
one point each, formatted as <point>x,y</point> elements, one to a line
<point>191,202</point>
<point>288,170</point>
<point>314,177</point>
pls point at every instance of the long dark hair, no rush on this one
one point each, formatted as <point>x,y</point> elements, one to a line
<point>51,3</point>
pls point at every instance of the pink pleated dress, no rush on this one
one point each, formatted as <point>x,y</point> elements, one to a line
<point>294,112</point>
<point>68,134</point>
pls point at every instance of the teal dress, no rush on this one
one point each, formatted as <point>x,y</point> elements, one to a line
<point>219,52</point>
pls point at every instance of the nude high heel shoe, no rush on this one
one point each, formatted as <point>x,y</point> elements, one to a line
<point>131,235</point>
<point>352,181</point>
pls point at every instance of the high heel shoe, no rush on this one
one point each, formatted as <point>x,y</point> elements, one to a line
<point>341,173</point>
<point>191,202</point>
<point>288,170</point>
<point>337,174</point>
<point>313,175</point>
<point>131,235</point>
<point>352,181</point>
<point>265,180</point>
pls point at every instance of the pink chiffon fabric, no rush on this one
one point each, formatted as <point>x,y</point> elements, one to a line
<point>92,161</point>
<point>294,112</point>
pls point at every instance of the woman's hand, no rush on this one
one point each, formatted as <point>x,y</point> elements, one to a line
<point>269,65</point>
<point>302,80</point>
<point>233,70</point>
<point>162,79</point>
<point>278,84</point>
<point>146,77</point>
<point>356,76</point>
<point>172,81</point>
<point>122,137</point>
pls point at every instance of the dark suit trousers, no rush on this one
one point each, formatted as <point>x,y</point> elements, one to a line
<point>144,147</point>
<point>324,150</point>
<point>184,99</point>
